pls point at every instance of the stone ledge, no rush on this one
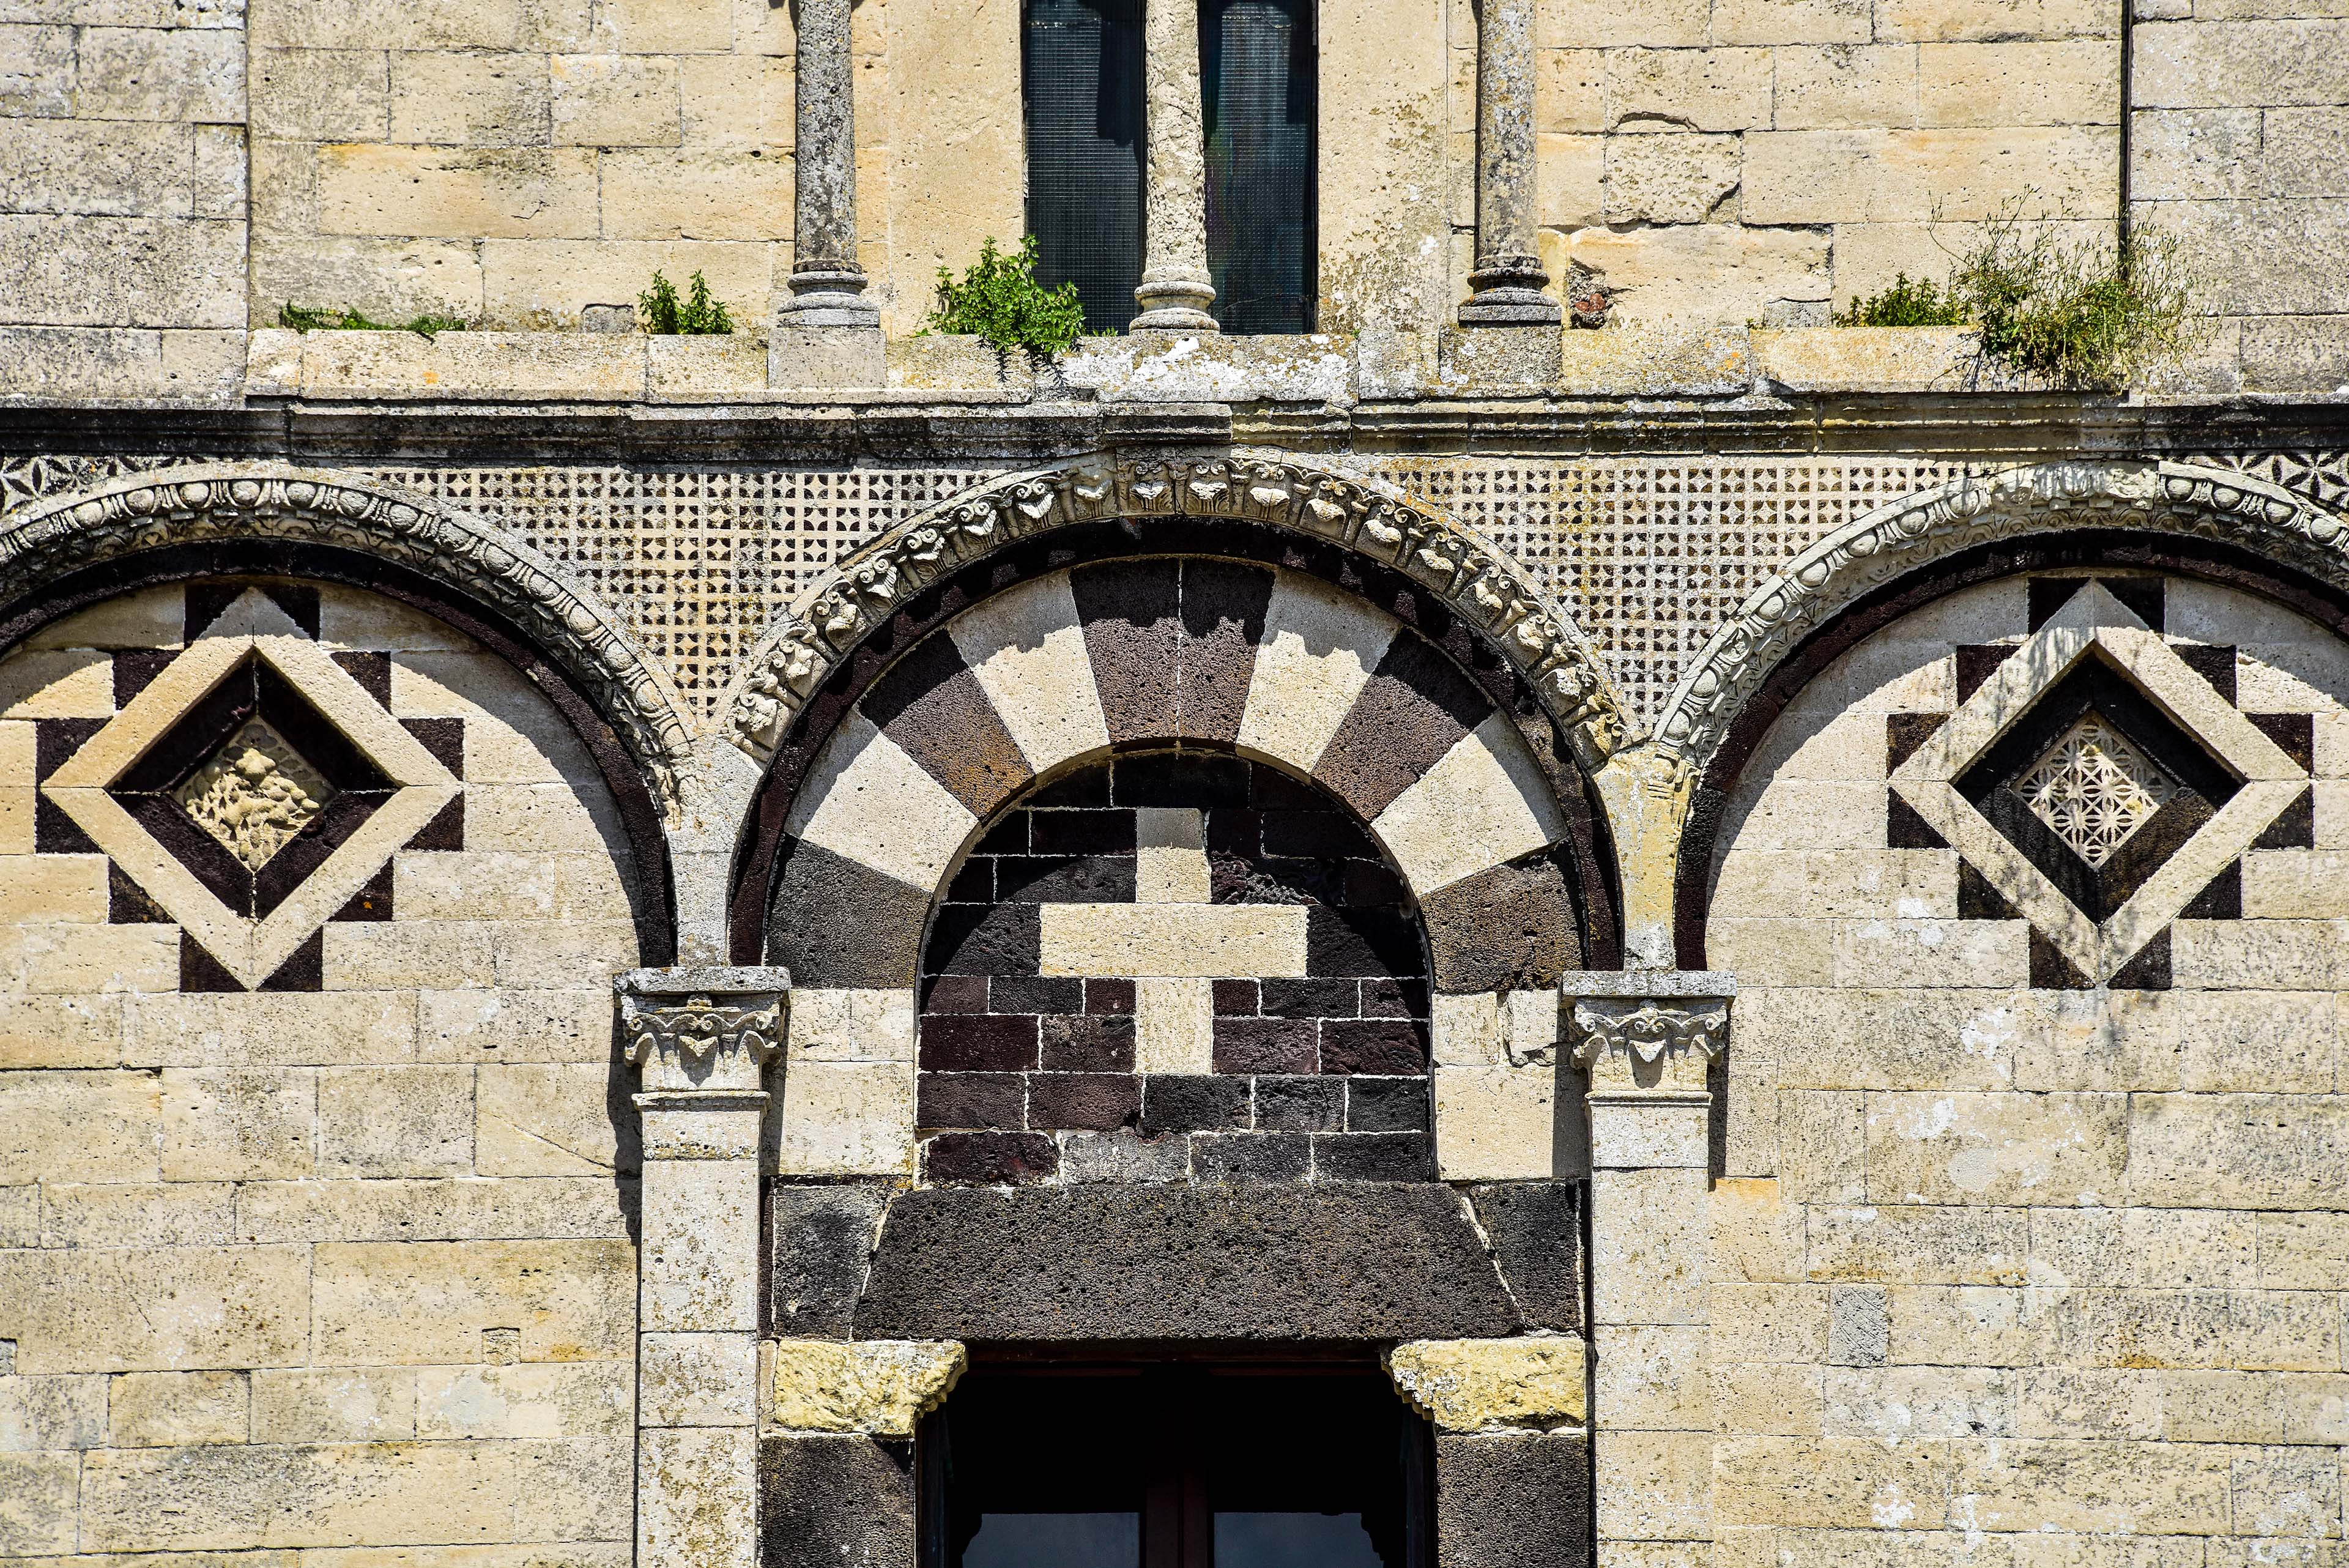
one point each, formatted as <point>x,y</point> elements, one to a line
<point>1872,360</point>
<point>878,1387</point>
<point>1493,1385</point>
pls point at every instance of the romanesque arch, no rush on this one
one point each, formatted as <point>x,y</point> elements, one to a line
<point>250,521</point>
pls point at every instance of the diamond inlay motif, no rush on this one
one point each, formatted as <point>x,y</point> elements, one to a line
<point>2094,790</point>
<point>255,794</point>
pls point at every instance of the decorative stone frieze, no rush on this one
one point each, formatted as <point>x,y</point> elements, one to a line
<point>2175,498</point>
<point>1468,573</point>
<point>44,540</point>
<point>881,1388</point>
<point>1493,1385</point>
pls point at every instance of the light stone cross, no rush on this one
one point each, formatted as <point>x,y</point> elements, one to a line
<point>1173,942</point>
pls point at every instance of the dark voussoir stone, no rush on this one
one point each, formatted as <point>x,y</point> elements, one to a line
<point>1357,1262</point>
<point>1536,1230</point>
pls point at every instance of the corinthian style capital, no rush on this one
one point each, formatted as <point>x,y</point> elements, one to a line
<point>700,1030</point>
<point>1653,1031</point>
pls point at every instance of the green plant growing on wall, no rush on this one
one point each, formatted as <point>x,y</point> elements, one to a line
<point>2076,315</point>
<point>1000,300</point>
<point>302,319</point>
<point>697,315</point>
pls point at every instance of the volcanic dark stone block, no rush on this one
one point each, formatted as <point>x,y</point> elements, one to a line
<point>1513,1500</point>
<point>1108,830</point>
<point>1236,998</point>
<point>1536,1231</point>
<point>954,994</point>
<point>990,1156</point>
<point>821,1237</point>
<point>1035,994</point>
<point>1112,996</point>
<point>1231,1157</point>
<point>1005,939</point>
<point>837,1502</point>
<point>1088,1043</point>
<point>1266,1045</point>
<point>1511,927</point>
<point>1386,1104</point>
<point>1201,781</point>
<point>1372,944</point>
<point>933,707</point>
<point>1301,1105</point>
<point>1192,1102</point>
<point>1415,707</point>
<point>838,922</point>
<point>1311,998</point>
<point>1351,1262</point>
<point>972,1102</point>
<point>1097,1101</point>
<point>1371,1157</point>
<point>1132,612</point>
<point>1380,1046</point>
<point>1223,605</point>
<point>1066,879</point>
<point>955,1043</point>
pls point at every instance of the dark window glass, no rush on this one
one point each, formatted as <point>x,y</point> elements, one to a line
<point>1081,65</point>
<point>1174,1468</point>
<point>1257,71</point>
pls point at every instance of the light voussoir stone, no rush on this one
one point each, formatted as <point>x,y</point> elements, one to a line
<point>1493,1385</point>
<point>881,1388</point>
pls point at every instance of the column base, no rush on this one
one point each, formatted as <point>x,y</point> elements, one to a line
<point>827,293</point>
<point>1509,293</point>
<point>802,353</point>
<point>1175,305</point>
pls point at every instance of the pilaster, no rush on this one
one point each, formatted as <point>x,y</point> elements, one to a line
<point>1175,289</point>
<point>701,1040</point>
<point>1648,1041</point>
<point>1508,279</point>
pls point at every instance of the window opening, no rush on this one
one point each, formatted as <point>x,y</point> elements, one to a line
<point>1174,1467</point>
<point>1257,71</point>
<point>1081,78</point>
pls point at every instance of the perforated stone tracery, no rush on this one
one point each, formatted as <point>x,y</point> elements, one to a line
<point>2094,790</point>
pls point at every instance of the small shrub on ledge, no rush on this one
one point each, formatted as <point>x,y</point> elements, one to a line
<point>331,320</point>
<point>999,299</point>
<point>2073,316</point>
<point>697,315</point>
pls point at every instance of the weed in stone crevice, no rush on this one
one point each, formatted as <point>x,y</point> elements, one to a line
<point>663,313</point>
<point>999,299</point>
<point>304,319</point>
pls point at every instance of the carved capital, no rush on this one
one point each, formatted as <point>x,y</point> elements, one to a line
<point>701,1030</point>
<point>1648,1032</point>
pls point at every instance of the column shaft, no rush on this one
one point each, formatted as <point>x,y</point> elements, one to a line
<point>827,284</point>
<point>1508,279</point>
<point>1175,291</point>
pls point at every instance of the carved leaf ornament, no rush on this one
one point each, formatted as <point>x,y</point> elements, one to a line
<point>1469,574</point>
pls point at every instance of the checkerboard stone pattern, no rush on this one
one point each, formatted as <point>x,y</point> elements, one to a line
<point>1366,742</point>
<point>343,1246</point>
<point>2049,1259</point>
<point>1175,963</point>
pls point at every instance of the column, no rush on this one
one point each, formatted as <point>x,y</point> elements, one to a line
<point>1647,1039</point>
<point>1175,293</point>
<point>1508,279</point>
<point>700,1039</point>
<point>827,284</point>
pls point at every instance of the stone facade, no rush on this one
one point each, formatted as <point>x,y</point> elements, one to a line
<point>1739,921</point>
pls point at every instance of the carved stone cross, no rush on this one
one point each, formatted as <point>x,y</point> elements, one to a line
<point>1173,942</point>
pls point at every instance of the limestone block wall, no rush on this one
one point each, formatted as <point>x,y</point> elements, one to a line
<point>345,1262</point>
<point>520,166</point>
<point>2240,144</point>
<point>122,197</point>
<point>1723,161</point>
<point>2029,1250</point>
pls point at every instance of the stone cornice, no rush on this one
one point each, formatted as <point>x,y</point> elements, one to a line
<point>1468,573</point>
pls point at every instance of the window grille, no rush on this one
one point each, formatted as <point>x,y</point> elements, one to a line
<point>1082,67</point>
<point>1257,71</point>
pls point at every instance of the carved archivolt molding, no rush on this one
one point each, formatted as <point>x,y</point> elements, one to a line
<point>1469,574</point>
<point>2174,498</point>
<point>229,501</point>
